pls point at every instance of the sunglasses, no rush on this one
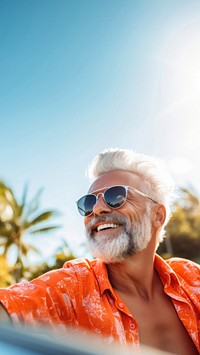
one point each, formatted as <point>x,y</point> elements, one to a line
<point>114,197</point>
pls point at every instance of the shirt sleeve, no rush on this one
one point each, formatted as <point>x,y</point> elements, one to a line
<point>48,300</point>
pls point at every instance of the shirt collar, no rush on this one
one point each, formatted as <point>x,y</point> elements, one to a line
<point>101,274</point>
<point>166,274</point>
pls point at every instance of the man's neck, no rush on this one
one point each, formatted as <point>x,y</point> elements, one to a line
<point>135,275</point>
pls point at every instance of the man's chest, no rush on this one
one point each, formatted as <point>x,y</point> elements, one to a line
<point>159,325</point>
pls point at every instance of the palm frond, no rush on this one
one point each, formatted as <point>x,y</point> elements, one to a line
<point>7,193</point>
<point>23,203</point>
<point>44,229</point>
<point>25,248</point>
<point>43,217</point>
<point>7,245</point>
<point>33,204</point>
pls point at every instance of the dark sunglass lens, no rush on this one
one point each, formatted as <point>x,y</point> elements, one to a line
<point>86,204</point>
<point>115,196</point>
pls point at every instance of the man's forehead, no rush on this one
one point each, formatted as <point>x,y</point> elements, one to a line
<point>115,177</point>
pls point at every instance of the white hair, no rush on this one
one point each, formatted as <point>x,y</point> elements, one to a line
<point>156,180</point>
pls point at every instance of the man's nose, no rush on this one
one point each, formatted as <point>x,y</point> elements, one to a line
<point>101,207</point>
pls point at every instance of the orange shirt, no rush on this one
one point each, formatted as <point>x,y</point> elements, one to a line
<point>80,295</point>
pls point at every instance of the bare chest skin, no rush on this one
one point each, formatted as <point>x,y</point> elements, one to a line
<point>159,324</point>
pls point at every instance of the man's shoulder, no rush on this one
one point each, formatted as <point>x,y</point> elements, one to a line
<point>81,263</point>
<point>85,270</point>
<point>182,263</point>
<point>69,272</point>
<point>185,268</point>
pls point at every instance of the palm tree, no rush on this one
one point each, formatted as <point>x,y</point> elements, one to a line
<point>17,218</point>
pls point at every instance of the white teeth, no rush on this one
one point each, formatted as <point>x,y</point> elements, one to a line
<point>108,225</point>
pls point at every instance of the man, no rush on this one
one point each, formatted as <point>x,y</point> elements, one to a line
<point>128,293</point>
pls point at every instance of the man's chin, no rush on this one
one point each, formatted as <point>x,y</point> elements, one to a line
<point>110,249</point>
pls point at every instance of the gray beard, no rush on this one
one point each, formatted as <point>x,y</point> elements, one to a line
<point>111,249</point>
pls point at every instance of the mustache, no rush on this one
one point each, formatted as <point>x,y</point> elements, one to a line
<point>105,219</point>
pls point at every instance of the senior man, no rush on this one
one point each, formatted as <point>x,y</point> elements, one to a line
<point>127,293</point>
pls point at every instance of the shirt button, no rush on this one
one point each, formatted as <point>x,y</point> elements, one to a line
<point>132,326</point>
<point>121,305</point>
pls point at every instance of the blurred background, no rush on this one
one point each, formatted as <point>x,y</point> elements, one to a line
<point>80,76</point>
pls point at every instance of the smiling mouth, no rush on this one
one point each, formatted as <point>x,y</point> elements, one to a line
<point>106,226</point>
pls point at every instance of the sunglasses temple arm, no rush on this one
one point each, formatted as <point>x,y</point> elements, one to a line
<point>143,194</point>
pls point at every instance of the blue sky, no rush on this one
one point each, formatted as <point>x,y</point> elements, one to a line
<point>80,76</point>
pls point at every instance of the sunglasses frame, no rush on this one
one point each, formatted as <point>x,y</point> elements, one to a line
<point>126,187</point>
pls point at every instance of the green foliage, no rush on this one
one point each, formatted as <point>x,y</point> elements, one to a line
<point>183,230</point>
<point>18,218</point>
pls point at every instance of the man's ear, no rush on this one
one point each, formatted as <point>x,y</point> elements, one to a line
<point>159,216</point>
